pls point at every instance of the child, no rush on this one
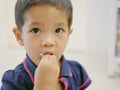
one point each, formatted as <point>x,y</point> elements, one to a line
<point>43,28</point>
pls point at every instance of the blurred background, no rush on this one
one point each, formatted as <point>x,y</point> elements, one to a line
<point>92,42</point>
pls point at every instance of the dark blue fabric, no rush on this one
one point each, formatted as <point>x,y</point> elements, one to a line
<point>19,79</point>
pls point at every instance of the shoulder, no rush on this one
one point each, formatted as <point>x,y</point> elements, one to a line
<point>75,66</point>
<point>15,78</point>
<point>16,73</point>
<point>80,74</point>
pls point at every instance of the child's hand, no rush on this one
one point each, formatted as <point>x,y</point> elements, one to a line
<point>47,73</point>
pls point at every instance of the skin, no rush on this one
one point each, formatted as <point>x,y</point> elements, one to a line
<point>44,36</point>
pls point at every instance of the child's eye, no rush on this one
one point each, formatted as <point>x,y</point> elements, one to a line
<point>36,30</point>
<point>59,30</point>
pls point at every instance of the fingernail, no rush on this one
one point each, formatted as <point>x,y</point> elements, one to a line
<point>41,55</point>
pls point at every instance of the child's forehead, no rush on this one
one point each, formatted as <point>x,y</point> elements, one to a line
<point>45,12</point>
<point>47,6</point>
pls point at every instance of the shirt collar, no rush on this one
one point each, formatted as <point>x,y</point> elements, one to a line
<point>65,69</point>
<point>31,66</point>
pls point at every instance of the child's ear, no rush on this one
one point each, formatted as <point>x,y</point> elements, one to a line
<point>18,36</point>
<point>70,31</point>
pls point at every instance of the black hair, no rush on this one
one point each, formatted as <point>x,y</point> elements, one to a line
<point>22,5</point>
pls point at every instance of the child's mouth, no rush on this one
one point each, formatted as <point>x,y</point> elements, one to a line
<point>48,53</point>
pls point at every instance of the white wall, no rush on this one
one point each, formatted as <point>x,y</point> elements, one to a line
<point>92,26</point>
<point>77,40</point>
<point>98,26</point>
<point>2,25</point>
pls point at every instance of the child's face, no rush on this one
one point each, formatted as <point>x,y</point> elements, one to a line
<point>45,31</point>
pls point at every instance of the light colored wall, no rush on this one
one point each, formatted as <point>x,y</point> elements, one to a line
<point>98,26</point>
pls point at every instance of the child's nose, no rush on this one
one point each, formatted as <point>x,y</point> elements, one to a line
<point>48,41</point>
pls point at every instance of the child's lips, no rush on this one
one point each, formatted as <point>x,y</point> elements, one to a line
<point>48,53</point>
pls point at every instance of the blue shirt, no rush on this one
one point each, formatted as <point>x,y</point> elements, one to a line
<point>73,76</point>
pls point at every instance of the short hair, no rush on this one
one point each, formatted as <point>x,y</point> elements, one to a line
<point>22,6</point>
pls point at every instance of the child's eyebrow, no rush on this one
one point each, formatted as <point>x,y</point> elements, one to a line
<point>35,23</point>
<point>61,24</point>
<point>56,24</point>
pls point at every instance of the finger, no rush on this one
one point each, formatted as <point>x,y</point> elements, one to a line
<point>53,59</point>
<point>44,59</point>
